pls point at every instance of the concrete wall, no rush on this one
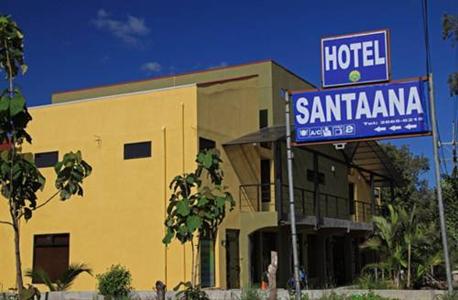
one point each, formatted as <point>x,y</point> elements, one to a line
<point>236,294</point>
<point>120,218</point>
<point>227,111</point>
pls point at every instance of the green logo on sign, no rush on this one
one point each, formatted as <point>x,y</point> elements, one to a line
<point>354,76</point>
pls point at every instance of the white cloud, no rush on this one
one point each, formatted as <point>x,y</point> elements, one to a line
<point>129,31</point>
<point>151,67</point>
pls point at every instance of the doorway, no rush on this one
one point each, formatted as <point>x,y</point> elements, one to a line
<point>232,259</point>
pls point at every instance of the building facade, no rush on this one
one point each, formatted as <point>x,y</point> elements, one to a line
<point>137,136</point>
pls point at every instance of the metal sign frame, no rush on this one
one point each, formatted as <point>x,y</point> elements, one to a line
<point>368,138</point>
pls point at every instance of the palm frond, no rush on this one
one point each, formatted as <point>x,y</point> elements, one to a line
<point>66,280</point>
<point>39,275</point>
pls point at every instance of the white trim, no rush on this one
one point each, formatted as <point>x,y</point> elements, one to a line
<point>111,96</point>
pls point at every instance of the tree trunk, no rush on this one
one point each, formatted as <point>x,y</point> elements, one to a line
<point>17,253</point>
<point>193,274</point>
<point>272,271</point>
<point>409,255</point>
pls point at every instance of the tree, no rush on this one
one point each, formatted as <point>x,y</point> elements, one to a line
<point>412,190</point>
<point>197,207</point>
<point>450,194</point>
<point>20,179</point>
<point>450,32</point>
<point>403,243</point>
<point>64,281</point>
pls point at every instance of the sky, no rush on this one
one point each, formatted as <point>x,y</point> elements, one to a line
<point>75,44</point>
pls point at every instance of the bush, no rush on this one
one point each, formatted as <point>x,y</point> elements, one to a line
<point>368,282</point>
<point>369,296</point>
<point>251,294</point>
<point>115,282</point>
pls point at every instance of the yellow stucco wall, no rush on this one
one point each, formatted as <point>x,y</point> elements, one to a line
<point>120,218</point>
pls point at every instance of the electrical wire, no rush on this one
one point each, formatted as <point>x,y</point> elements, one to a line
<point>425,13</point>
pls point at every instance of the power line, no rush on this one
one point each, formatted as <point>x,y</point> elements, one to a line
<point>436,140</point>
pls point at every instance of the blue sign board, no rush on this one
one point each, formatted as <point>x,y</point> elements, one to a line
<point>355,59</point>
<point>354,113</point>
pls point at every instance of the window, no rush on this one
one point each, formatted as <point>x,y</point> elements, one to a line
<point>50,253</point>
<point>137,150</point>
<point>46,159</point>
<point>207,263</point>
<point>265,180</point>
<point>263,118</point>
<point>263,123</point>
<point>311,176</point>
<point>206,144</point>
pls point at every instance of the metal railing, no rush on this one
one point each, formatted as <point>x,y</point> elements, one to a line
<point>252,196</point>
<point>363,211</point>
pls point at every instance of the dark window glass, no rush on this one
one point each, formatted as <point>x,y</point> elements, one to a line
<point>265,180</point>
<point>206,144</point>
<point>50,254</point>
<point>207,265</point>
<point>46,159</point>
<point>311,176</point>
<point>264,122</point>
<point>263,118</point>
<point>137,150</point>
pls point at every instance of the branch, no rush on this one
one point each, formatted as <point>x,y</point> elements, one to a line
<point>47,201</point>
<point>6,223</point>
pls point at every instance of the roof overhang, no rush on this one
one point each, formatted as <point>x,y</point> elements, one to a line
<point>367,156</point>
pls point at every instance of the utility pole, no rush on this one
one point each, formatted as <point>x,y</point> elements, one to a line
<point>453,144</point>
<point>440,203</point>
<point>292,209</point>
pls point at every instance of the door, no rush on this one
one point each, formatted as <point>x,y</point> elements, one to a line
<point>232,259</point>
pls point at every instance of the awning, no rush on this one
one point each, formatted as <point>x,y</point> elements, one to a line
<point>368,156</point>
<point>264,135</point>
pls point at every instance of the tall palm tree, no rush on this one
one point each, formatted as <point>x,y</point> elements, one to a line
<point>64,281</point>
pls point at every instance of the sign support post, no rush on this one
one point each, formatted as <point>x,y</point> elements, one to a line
<point>292,210</point>
<point>440,203</point>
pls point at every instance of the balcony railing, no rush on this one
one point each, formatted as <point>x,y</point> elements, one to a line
<point>252,197</point>
<point>363,211</point>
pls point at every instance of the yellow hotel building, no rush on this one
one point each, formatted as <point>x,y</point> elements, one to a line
<point>138,135</point>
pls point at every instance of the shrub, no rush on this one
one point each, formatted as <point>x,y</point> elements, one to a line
<point>368,282</point>
<point>115,282</point>
<point>369,296</point>
<point>251,294</point>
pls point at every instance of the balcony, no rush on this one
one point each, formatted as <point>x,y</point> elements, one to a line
<point>255,197</point>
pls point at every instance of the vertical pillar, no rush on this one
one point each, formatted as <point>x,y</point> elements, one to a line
<point>321,258</point>
<point>372,195</point>
<point>316,189</point>
<point>349,258</point>
<point>278,179</point>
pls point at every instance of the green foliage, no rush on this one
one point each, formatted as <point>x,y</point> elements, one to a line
<point>368,296</point>
<point>20,179</point>
<point>115,282</point>
<point>251,294</point>
<point>403,245</point>
<point>11,47</point>
<point>450,195</point>
<point>190,292</point>
<point>70,174</point>
<point>450,32</point>
<point>64,282</point>
<point>194,207</point>
<point>447,296</point>
<point>367,282</point>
